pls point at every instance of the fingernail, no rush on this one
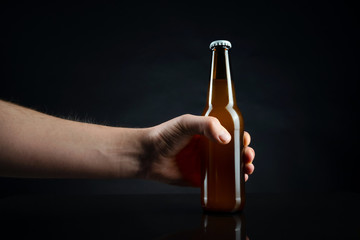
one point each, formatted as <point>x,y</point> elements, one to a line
<point>225,137</point>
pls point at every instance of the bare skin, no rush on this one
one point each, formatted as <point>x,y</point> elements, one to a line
<point>33,144</point>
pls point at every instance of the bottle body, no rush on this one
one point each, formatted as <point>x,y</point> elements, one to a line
<point>222,177</point>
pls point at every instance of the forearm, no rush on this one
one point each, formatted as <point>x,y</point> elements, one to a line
<point>34,144</point>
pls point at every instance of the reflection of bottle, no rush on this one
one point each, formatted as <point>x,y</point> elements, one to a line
<point>215,226</point>
<point>231,226</point>
<point>222,169</point>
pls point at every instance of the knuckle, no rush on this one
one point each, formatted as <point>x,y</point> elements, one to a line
<point>184,123</point>
<point>185,117</point>
<point>213,122</point>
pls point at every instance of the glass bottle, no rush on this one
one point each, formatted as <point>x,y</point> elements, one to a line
<point>222,174</point>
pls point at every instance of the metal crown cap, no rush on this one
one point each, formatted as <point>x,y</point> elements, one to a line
<point>220,43</point>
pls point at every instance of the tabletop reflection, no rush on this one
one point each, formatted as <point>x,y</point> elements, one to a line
<point>216,226</point>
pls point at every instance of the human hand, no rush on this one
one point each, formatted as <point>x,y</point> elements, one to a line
<point>175,157</point>
<point>42,146</point>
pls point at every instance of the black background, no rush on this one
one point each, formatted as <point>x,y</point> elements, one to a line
<point>294,66</point>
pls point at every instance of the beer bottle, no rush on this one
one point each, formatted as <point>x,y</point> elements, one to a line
<point>222,176</point>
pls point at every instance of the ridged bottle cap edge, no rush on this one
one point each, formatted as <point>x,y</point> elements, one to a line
<point>220,43</point>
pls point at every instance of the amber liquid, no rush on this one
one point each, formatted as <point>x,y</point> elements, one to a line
<point>222,177</point>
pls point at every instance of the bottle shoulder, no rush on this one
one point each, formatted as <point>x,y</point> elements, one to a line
<point>224,110</point>
<point>230,118</point>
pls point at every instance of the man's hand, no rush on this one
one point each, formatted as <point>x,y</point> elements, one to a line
<point>174,148</point>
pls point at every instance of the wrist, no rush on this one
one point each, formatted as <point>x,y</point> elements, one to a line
<point>128,152</point>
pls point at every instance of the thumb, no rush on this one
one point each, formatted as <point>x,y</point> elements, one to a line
<point>207,126</point>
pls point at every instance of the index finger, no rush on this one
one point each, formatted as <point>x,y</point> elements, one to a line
<point>247,138</point>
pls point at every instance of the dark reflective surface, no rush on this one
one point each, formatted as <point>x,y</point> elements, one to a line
<point>215,226</point>
<point>266,216</point>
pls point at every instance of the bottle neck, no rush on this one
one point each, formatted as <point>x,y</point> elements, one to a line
<point>221,92</point>
<point>220,63</point>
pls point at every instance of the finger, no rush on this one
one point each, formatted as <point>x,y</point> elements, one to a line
<point>249,154</point>
<point>207,126</point>
<point>247,138</point>
<point>246,177</point>
<point>249,168</point>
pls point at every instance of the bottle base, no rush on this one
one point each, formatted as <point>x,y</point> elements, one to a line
<point>221,210</point>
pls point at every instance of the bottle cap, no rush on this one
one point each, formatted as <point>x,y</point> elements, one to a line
<point>220,43</point>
